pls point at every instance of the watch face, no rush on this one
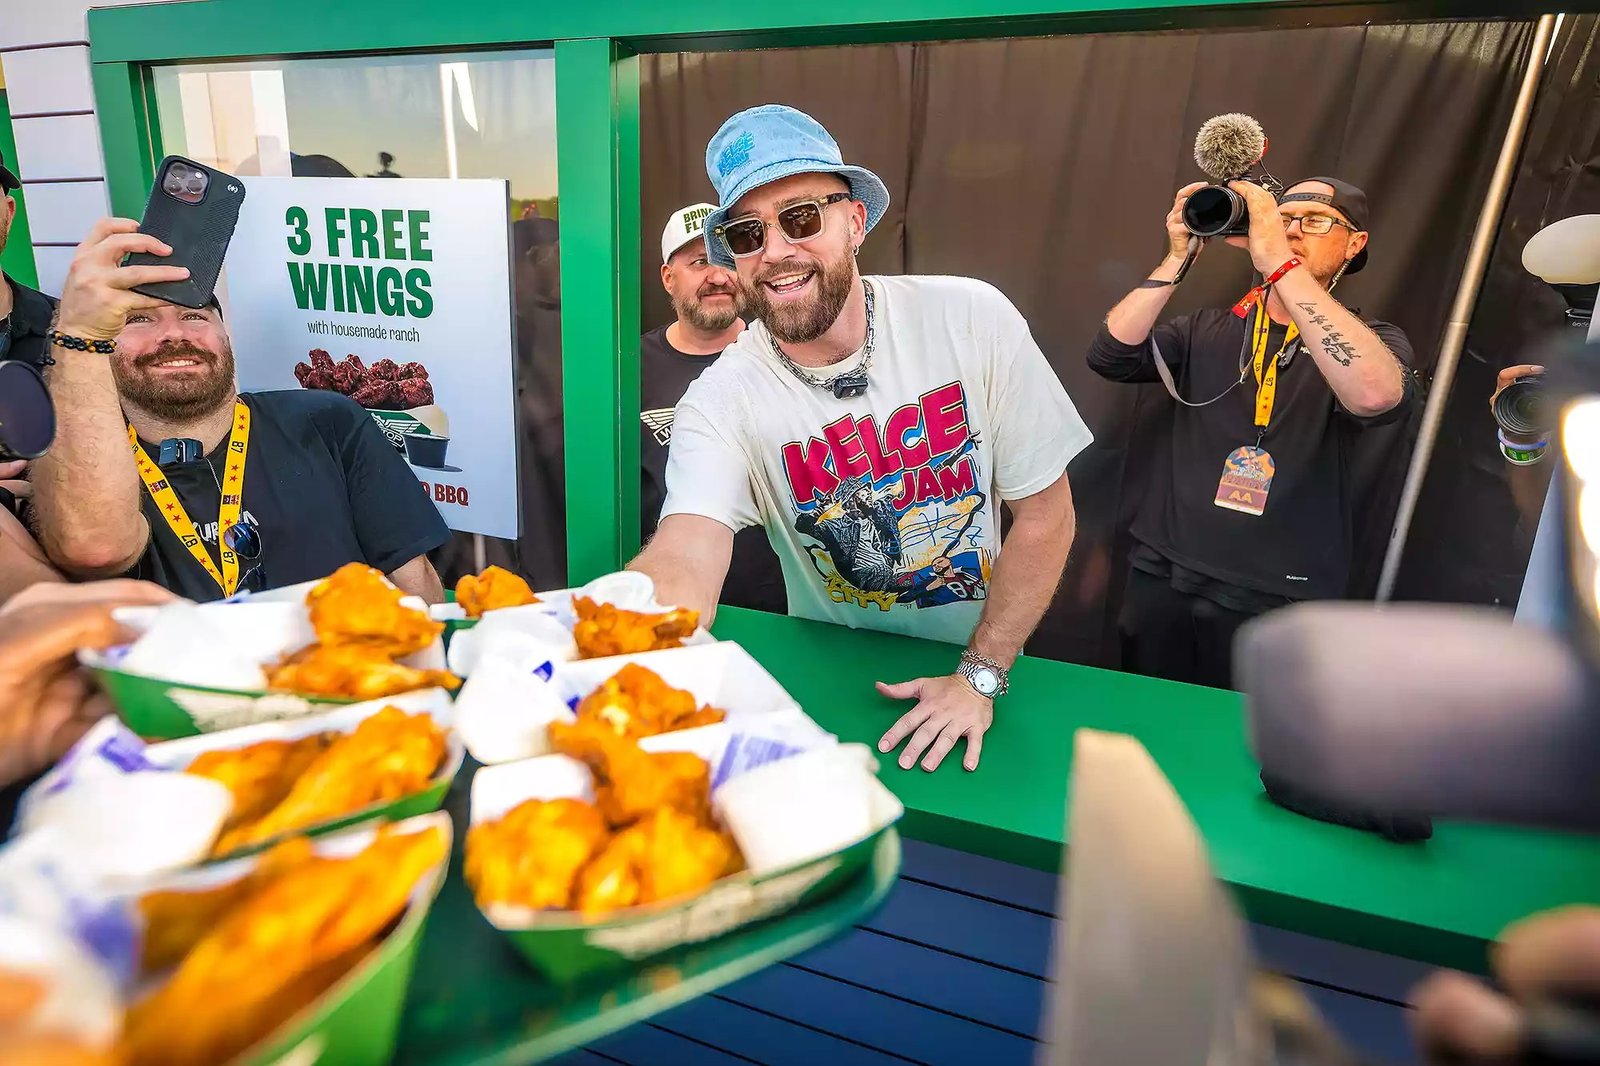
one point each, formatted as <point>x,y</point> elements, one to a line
<point>985,680</point>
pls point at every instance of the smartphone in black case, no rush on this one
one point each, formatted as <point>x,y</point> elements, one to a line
<point>193,208</point>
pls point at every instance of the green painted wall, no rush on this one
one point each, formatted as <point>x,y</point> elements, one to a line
<point>17,258</point>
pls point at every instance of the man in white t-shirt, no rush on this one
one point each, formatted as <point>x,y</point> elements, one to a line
<point>874,426</point>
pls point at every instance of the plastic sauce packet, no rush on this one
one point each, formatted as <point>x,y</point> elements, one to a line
<point>108,749</point>
<point>79,1001</point>
<point>746,751</point>
<point>42,884</point>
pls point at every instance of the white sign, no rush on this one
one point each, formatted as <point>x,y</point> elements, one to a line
<point>397,294</point>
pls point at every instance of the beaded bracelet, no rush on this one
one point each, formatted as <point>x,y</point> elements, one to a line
<point>79,344</point>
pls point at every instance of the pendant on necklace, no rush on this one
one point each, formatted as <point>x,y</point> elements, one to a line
<point>849,385</point>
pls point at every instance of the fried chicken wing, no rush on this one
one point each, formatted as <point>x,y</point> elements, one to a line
<point>259,775</point>
<point>665,855</point>
<point>604,629</point>
<point>357,605</point>
<point>631,783</point>
<point>496,587</point>
<point>532,855</point>
<point>276,950</point>
<point>634,702</point>
<point>351,671</point>
<point>175,920</point>
<point>388,756</point>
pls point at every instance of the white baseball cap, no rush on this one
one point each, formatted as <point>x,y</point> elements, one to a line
<point>683,226</point>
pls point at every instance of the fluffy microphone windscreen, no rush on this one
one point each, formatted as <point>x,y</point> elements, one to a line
<point>1229,145</point>
<point>1445,711</point>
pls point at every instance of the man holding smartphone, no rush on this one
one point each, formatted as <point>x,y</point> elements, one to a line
<point>161,470</point>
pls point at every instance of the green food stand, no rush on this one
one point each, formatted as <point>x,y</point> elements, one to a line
<point>1441,903</point>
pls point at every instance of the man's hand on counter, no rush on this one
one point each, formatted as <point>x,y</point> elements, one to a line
<point>947,709</point>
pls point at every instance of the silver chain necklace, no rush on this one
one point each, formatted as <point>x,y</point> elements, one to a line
<point>847,383</point>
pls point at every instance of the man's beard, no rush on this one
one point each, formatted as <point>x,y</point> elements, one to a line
<point>175,398</point>
<point>694,311</point>
<point>800,322</point>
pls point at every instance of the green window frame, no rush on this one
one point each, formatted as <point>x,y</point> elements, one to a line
<point>597,45</point>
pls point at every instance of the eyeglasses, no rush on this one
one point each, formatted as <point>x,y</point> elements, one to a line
<point>1316,225</point>
<point>244,539</point>
<point>799,222</point>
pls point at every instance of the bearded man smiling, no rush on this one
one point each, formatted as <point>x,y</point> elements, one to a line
<point>163,470</point>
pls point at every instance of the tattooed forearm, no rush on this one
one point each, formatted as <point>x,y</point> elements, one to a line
<point>1339,350</point>
<point>1317,318</point>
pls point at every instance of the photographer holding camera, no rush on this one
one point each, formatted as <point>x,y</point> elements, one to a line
<point>1251,505</point>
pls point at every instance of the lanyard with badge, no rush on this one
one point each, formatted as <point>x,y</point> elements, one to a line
<point>1247,473</point>
<point>232,493</point>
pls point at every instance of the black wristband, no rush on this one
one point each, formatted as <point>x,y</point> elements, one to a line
<point>79,344</point>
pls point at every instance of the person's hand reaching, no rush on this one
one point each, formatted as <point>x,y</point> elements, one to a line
<point>1552,956</point>
<point>46,701</point>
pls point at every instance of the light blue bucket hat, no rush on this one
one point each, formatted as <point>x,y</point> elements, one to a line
<point>763,144</point>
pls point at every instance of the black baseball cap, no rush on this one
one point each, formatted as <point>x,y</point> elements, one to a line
<point>8,178</point>
<point>1347,199</point>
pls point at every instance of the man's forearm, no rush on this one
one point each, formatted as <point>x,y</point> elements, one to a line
<point>676,584</point>
<point>419,578</point>
<point>1359,368</point>
<point>1024,581</point>
<point>1135,316</point>
<point>86,494</point>
<point>688,561</point>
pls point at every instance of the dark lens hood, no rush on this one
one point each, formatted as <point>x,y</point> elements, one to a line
<point>27,417</point>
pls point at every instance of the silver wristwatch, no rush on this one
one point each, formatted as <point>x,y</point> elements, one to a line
<point>987,677</point>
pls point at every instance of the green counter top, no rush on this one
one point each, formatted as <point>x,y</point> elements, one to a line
<point>1440,902</point>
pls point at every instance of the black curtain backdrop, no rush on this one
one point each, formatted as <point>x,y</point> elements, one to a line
<point>1046,166</point>
<point>1477,514</point>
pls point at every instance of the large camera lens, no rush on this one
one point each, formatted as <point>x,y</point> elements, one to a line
<point>27,417</point>
<point>1521,411</point>
<point>1215,211</point>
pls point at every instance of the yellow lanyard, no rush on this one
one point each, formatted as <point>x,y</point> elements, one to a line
<point>1267,369</point>
<point>178,519</point>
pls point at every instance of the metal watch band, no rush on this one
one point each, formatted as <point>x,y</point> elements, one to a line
<point>973,659</point>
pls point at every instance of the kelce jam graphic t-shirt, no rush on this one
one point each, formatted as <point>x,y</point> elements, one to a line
<point>883,508</point>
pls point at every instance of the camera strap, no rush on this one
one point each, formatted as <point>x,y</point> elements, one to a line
<point>1266,371</point>
<point>177,518</point>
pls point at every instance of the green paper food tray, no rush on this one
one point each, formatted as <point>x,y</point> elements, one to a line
<point>357,1021</point>
<point>163,710</point>
<point>567,948</point>
<point>259,629</point>
<point>177,754</point>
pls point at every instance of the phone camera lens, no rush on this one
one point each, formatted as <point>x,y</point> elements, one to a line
<point>196,184</point>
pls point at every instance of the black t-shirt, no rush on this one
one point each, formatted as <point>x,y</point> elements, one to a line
<point>22,334</point>
<point>1300,547</point>
<point>754,577</point>
<point>322,483</point>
